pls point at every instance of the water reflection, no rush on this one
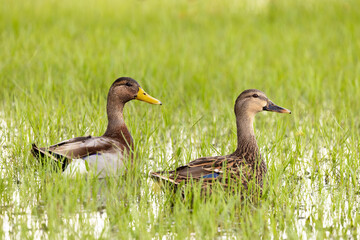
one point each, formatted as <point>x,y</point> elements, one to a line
<point>316,200</point>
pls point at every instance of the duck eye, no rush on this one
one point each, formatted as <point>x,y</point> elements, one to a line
<point>255,95</point>
<point>128,84</point>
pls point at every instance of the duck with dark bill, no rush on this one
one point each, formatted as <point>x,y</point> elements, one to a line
<point>245,164</point>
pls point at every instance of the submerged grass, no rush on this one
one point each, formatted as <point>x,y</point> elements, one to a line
<point>59,58</point>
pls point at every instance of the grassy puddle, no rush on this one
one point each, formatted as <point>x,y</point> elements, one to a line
<point>319,204</point>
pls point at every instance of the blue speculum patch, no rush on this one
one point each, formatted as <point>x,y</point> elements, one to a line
<point>212,175</point>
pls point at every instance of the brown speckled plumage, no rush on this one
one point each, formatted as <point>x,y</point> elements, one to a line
<point>245,165</point>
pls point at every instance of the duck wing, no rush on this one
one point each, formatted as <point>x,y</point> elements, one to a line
<point>78,147</point>
<point>83,146</point>
<point>207,168</point>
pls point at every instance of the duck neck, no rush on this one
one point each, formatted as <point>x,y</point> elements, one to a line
<point>247,146</point>
<point>116,125</point>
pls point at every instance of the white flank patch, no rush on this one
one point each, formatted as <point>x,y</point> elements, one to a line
<point>102,165</point>
<point>77,166</point>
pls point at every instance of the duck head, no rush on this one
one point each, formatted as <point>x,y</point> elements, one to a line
<point>127,89</point>
<point>252,101</point>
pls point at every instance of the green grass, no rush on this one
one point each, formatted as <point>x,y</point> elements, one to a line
<point>59,58</point>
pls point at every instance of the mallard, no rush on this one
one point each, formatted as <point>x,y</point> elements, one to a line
<point>106,153</point>
<point>242,166</point>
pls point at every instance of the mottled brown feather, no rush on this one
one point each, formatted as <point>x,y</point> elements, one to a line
<point>244,166</point>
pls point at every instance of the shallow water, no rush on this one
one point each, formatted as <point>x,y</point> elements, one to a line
<point>36,227</point>
<point>316,198</point>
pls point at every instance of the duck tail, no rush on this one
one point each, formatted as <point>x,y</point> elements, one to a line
<point>41,153</point>
<point>163,176</point>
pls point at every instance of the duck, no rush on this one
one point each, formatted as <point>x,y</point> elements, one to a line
<point>104,154</point>
<point>243,167</point>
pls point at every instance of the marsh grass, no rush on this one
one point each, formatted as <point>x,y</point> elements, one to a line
<point>58,59</point>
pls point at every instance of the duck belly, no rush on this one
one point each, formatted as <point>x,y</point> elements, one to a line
<point>101,164</point>
<point>105,164</point>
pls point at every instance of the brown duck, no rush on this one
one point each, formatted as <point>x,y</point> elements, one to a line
<point>106,153</point>
<point>243,166</point>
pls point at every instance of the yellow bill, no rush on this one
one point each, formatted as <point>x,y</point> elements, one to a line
<point>143,96</point>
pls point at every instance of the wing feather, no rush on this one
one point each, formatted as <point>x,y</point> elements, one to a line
<point>78,147</point>
<point>198,168</point>
<point>81,147</point>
